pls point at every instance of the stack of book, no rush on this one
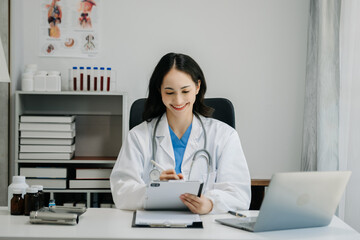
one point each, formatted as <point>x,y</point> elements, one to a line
<point>47,137</point>
<point>91,178</point>
<point>48,177</point>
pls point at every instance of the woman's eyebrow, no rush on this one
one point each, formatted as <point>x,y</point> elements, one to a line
<point>170,88</point>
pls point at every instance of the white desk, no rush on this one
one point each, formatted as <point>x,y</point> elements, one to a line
<point>99,223</point>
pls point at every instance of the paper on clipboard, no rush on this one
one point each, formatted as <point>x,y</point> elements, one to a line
<point>166,218</point>
<point>165,195</point>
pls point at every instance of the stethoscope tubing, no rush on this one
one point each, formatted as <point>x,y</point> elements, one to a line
<point>198,152</point>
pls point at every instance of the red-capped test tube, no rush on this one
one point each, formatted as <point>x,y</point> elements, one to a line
<point>102,70</point>
<point>95,78</point>
<point>74,76</point>
<point>88,77</point>
<point>108,74</point>
<point>81,78</point>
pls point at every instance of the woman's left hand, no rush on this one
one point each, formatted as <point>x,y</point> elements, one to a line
<point>199,205</point>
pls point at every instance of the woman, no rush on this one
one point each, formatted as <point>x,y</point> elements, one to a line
<point>175,104</point>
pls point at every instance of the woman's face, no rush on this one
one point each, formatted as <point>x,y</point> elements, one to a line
<point>178,92</point>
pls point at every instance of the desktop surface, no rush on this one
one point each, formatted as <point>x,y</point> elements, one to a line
<point>102,223</point>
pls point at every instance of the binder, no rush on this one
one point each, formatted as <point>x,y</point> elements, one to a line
<point>166,219</point>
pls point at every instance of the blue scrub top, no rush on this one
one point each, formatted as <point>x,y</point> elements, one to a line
<point>179,146</point>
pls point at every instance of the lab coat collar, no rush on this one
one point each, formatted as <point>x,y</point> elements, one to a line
<point>163,135</point>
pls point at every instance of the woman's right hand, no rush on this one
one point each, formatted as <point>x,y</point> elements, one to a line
<point>170,174</point>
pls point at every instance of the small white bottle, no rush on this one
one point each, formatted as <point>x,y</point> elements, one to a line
<point>27,81</point>
<point>17,182</point>
<point>40,81</point>
<point>31,68</point>
<point>53,81</point>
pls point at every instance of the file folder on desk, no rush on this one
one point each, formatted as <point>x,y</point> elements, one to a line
<point>166,219</point>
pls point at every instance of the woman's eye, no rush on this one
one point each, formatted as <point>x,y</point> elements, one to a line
<point>186,91</point>
<point>169,93</point>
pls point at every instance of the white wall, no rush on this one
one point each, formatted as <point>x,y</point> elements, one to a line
<point>252,52</point>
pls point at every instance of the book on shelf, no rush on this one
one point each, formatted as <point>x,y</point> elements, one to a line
<point>80,204</point>
<point>43,172</point>
<point>47,148</point>
<point>69,204</point>
<point>106,205</point>
<point>47,134</point>
<point>48,183</point>
<point>93,173</point>
<point>88,184</point>
<point>47,119</point>
<point>47,126</point>
<point>47,141</point>
<point>42,156</point>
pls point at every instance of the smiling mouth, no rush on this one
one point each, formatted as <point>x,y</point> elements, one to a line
<point>179,108</point>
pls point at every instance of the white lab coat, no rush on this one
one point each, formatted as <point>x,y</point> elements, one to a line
<point>229,182</point>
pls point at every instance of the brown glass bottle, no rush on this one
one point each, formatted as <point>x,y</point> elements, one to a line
<point>31,201</point>
<point>17,203</point>
<point>40,194</point>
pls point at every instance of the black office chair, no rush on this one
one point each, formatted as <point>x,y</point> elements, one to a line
<point>224,111</point>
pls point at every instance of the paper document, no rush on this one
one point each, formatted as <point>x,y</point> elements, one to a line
<point>166,218</point>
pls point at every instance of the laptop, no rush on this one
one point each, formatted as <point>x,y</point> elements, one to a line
<point>296,200</point>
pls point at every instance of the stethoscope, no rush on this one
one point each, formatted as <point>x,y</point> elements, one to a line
<point>155,172</point>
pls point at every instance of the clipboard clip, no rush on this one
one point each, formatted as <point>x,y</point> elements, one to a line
<point>168,225</point>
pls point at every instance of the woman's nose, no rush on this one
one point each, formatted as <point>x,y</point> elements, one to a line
<point>178,99</point>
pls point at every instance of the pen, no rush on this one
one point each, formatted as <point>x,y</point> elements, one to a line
<point>236,214</point>
<point>158,165</point>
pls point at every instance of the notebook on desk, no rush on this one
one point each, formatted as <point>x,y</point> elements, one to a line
<point>296,200</point>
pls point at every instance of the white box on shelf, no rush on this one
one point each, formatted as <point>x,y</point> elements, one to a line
<point>53,83</point>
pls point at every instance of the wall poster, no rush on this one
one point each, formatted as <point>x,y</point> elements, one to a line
<point>69,28</point>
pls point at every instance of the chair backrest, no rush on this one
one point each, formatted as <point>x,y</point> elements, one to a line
<point>224,111</point>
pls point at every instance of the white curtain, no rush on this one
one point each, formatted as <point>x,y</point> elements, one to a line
<point>349,138</point>
<point>332,103</point>
<point>321,113</point>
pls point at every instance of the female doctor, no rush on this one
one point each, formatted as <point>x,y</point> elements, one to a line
<point>183,126</point>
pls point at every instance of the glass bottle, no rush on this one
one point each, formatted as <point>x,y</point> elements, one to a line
<point>31,201</point>
<point>40,189</point>
<point>17,202</point>
<point>51,202</point>
<point>17,182</point>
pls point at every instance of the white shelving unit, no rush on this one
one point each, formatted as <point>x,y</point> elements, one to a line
<point>101,127</point>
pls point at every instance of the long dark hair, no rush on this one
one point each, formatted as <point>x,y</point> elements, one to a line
<point>154,106</point>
